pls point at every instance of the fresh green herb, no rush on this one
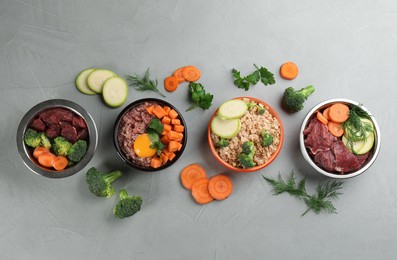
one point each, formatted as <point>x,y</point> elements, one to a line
<point>318,202</point>
<point>199,97</point>
<point>144,83</point>
<point>262,74</point>
<point>156,125</point>
<point>154,130</point>
<point>356,128</point>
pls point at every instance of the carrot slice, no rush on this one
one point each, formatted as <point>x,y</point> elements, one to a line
<point>179,128</point>
<point>167,109</point>
<point>335,129</point>
<point>339,112</point>
<point>149,109</point>
<point>191,73</point>
<point>174,146</point>
<point>171,83</point>
<point>45,159</point>
<point>192,173</point>
<point>155,162</point>
<point>326,113</point>
<point>173,114</point>
<point>39,150</point>
<point>171,156</point>
<point>159,112</point>
<point>175,121</point>
<point>164,158</point>
<point>200,191</point>
<point>166,120</point>
<point>178,74</point>
<point>59,163</point>
<point>220,187</point>
<point>289,70</point>
<point>164,139</point>
<point>167,127</point>
<point>321,118</point>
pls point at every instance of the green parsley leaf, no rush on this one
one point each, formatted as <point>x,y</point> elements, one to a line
<point>156,125</point>
<point>262,74</point>
<point>155,139</point>
<point>199,97</point>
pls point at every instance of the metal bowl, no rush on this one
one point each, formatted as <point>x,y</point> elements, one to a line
<point>373,153</point>
<point>26,153</point>
<point>117,126</point>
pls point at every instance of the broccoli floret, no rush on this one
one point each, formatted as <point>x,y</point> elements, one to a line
<point>248,148</point>
<point>101,183</point>
<point>45,141</point>
<point>77,151</point>
<point>127,205</point>
<point>261,110</point>
<point>246,160</point>
<point>222,143</point>
<point>32,138</point>
<point>61,146</point>
<point>250,105</point>
<point>293,100</point>
<point>267,139</point>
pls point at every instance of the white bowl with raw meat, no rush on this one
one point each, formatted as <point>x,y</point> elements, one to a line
<point>347,151</point>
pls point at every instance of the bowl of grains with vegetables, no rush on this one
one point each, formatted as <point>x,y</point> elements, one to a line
<point>150,134</point>
<point>245,134</point>
<point>340,138</point>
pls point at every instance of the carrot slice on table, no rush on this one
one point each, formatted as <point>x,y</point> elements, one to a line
<point>326,113</point>
<point>191,173</point>
<point>45,159</point>
<point>191,73</point>
<point>178,74</point>
<point>171,83</point>
<point>335,129</point>
<point>289,70</point>
<point>200,191</point>
<point>59,163</point>
<point>220,187</point>
<point>339,112</point>
<point>39,150</point>
<point>321,118</point>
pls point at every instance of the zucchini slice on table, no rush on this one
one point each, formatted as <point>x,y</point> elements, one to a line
<point>96,79</point>
<point>115,91</point>
<point>81,82</point>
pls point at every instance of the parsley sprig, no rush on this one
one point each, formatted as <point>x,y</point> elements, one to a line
<point>199,97</point>
<point>262,74</point>
<point>318,202</point>
<point>154,130</point>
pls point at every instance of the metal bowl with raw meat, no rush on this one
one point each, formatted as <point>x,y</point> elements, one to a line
<point>56,138</point>
<point>340,138</point>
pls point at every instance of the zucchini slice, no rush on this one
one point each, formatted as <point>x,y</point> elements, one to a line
<point>81,82</point>
<point>231,109</point>
<point>115,91</point>
<point>97,77</point>
<point>226,128</point>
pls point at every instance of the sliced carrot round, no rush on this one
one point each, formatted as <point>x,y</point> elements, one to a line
<point>59,163</point>
<point>321,118</point>
<point>220,187</point>
<point>171,83</point>
<point>200,191</point>
<point>192,173</point>
<point>289,70</point>
<point>39,150</point>
<point>339,112</point>
<point>326,113</point>
<point>335,129</point>
<point>191,73</point>
<point>178,75</point>
<point>45,159</point>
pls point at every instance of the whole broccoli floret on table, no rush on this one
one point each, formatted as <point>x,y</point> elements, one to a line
<point>61,146</point>
<point>127,205</point>
<point>77,151</point>
<point>101,183</point>
<point>32,138</point>
<point>293,100</point>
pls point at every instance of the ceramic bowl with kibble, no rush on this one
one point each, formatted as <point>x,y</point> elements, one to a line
<point>245,134</point>
<point>340,138</point>
<point>56,138</point>
<point>150,134</point>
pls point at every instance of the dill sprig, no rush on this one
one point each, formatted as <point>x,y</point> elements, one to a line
<point>318,202</point>
<point>356,128</point>
<point>144,83</point>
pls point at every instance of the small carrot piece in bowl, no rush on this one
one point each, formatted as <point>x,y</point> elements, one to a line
<point>155,162</point>
<point>335,129</point>
<point>191,73</point>
<point>171,83</point>
<point>39,150</point>
<point>289,70</point>
<point>159,112</point>
<point>59,163</point>
<point>191,173</point>
<point>173,114</point>
<point>339,112</point>
<point>220,187</point>
<point>200,191</point>
<point>178,74</point>
<point>45,159</point>
<point>321,118</point>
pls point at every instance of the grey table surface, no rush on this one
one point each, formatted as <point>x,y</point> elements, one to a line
<point>344,48</point>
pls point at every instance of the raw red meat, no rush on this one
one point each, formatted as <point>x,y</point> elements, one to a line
<point>53,131</point>
<point>70,133</point>
<point>38,125</point>
<point>318,137</point>
<point>325,159</point>
<point>78,122</point>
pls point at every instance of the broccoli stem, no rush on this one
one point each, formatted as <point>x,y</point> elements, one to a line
<point>123,194</point>
<point>307,91</point>
<point>112,176</point>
